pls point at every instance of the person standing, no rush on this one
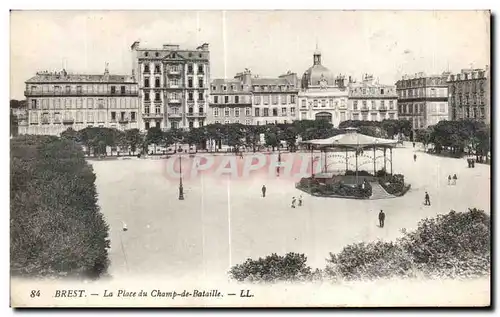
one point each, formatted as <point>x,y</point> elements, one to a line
<point>381,218</point>
<point>414,157</point>
<point>293,202</point>
<point>300,200</point>
<point>263,190</point>
<point>427,199</point>
<point>449,179</point>
<point>455,179</point>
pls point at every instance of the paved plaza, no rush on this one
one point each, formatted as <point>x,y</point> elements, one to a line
<point>180,238</point>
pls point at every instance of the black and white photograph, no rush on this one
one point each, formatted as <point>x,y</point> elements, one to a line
<point>241,158</point>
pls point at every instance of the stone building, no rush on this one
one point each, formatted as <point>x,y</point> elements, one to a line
<point>57,101</point>
<point>231,100</point>
<point>469,96</point>
<point>422,99</point>
<point>323,95</point>
<point>274,100</point>
<point>173,85</point>
<point>371,101</point>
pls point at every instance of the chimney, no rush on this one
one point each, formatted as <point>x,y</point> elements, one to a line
<point>135,45</point>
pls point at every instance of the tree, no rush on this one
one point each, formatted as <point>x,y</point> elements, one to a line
<point>154,136</point>
<point>235,135</point>
<point>252,136</point>
<point>195,136</point>
<point>290,136</point>
<point>133,138</point>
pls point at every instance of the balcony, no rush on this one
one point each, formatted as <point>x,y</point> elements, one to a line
<point>68,121</point>
<point>174,101</point>
<point>201,101</point>
<point>123,120</point>
<point>175,115</point>
<point>382,109</point>
<point>365,109</point>
<point>29,93</point>
<point>171,86</point>
<point>196,114</point>
<point>174,72</point>
<point>152,115</point>
<point>190,102</point>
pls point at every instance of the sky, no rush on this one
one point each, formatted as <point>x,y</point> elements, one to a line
<point>387,44</point>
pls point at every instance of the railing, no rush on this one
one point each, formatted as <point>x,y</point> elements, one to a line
<point>174,72</point>
<point>382,109</point>
<point>174,86</point>
<point>174,115</point>
<point>68,121</point>
<point>123,120</point>
<point>196,114</point>
<point>365,109</point>
<point>174,101</point>
<point>30,93</point>
<point>152,115</point>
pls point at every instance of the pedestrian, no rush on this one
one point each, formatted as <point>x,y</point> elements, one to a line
<point>414,144</point>
<point>381,218</point>
<point>300,200</point>
<point>293,202</point>
<point>414,157</point>
<point>263,190</point>
<point>449,179</point>
<point>455,179</point>
<point>468,162</point>
<point>427,199</point>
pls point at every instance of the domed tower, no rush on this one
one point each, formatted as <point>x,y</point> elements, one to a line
<point>317,76</point>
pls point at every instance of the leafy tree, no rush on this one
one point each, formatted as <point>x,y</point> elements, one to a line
<point>133,138</point>
<point>154,136</point>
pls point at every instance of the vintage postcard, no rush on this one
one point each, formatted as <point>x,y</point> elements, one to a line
<point>250,158</point>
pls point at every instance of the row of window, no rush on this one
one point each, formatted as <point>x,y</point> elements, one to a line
<point>323,103</point>
<point>85,89</point>
<point>173,68</point>
<point>372,116</point>
<point>283,99</point>
<point>371,90</point>
<point>78,103</point>
<point>274,113</point>
<point>228,112</point>
<point>373,104</point>
<point>420,108</point>
<point>173,83</point>
<point>432,92</point>
<point>79,116</point>
<point>247,121</point>
<point>173,96</point>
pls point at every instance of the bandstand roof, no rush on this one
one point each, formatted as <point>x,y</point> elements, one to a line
<point>352,139</point>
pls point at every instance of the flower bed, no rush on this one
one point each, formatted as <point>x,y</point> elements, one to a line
<point>338,189</point>
<point>394,184</point>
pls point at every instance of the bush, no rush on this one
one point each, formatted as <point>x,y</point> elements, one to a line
<point>56,227</point>
<point>273,268</point>
<point>394,184</point>
<point>314,187</point>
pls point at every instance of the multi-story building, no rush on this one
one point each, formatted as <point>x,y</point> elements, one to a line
<point>21,115</point>
<point>469,95</point>
<point>423,100</point>
<point>274,100</point>
<point>371,101</point>
<point>231,100</point>
<point>57,101</point>
<point>173,85</point>
<point>322,95</point>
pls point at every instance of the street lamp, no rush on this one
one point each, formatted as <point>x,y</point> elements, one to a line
<point>181,189</point>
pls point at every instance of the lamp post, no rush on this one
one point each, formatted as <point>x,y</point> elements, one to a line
<point>181,189</point>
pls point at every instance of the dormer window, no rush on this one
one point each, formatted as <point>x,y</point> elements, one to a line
<point>232,87</point>
<point>214,88</point>
<point>157,54</point>
<point>224,87</point>
<point>146,54</point>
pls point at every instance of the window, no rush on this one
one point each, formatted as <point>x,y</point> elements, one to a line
<point>157,67</point>
<point>200,68</point>
<point>133,116</point>
<point>227,121</point>
<point>68,89</point>
<point>45,104</point>
<point>216,112</point>
<point>303,101</point>
<point>190,110</point>
<point>266,112</point>
<point>382,91</point>
<point>79,103</point>
<point>391,104</point>
<point>256,100</point>
<point>190,96</point>
<point>101,115</point>
<point>292,112</point>
<point>275,112</point>
<point>112,103</point>
<point>200,110</point>
<point>323,103</point>
<point>191,124</point>
<point>157,82</point>
<point>265,99</point>
<point>374,106</point>
<point>257,112</point>
<point>292,99</point>
<point>200,96</point>
<point>355,116</point>
<point>391,116</point>
<point>190,83</point>
<point>190,68</point>
<point>275,99</point>
<point>100,103</point>
<point>57,103</point>
<point>146,96</point>
<point>146,82</point>
<point>315,103</point>
<point>236,112</point>
<point>248,121</point>
<point>224,87</point>
<point>382,104</point>
<point>236,99</point>
<point>33,104</point>
<point>174,82</point>
<point>200,82</point>
<point>113,116</point>
<point>283,111</point>
<point>442,108</point>
<point>157,109</point>
<point>248,111</point>
<point>200,123</point>
<point>147,110</point>
<point>146,66</point>
<point>342,116</point>
<point>283,99</point>
<point>226,99</point>
<point>216,99</point>
<point>226,112</point>
<point>122,90</point>
<point>79,89</point>
<point>157,96</point>
<point>158,124</point>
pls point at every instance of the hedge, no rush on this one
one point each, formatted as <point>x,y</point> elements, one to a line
<point>56,227</point>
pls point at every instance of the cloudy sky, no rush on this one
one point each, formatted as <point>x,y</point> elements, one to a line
<point>385,44</point>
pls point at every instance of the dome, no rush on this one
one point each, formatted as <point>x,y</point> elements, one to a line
<point>317,75</point>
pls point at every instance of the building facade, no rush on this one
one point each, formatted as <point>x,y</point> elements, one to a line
<point>423,100</point>
<point>372,101</point>
<point>322,95</point>
<point>274,100</point>
<point>57,101</point>
<point>173,85</point>
<point>469,95</point>
<point>231,100</point>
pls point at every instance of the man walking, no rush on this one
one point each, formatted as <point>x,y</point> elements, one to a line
<point>427,199</point>
<point>263,190</point>
<point>381,218</point>
<point>293,202</point>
